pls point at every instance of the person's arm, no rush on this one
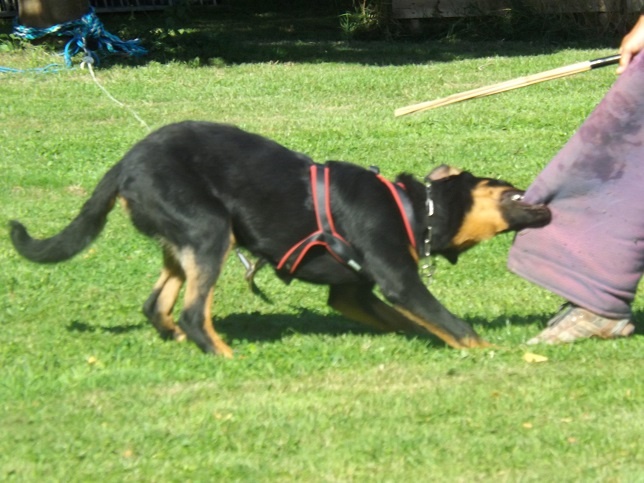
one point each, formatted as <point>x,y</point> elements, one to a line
<point>632,43</point>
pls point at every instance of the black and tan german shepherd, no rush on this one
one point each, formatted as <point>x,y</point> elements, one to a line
<point>201,188</point>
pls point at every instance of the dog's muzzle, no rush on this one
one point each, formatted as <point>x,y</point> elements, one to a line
<point>520,214</point>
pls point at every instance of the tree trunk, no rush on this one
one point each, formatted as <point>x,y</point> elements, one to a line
<point>45,13</point>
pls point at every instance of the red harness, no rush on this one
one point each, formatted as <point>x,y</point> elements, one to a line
<point>326,234</point>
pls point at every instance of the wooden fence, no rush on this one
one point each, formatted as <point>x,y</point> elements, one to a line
<point>9,8</point>
<point>416,9</point>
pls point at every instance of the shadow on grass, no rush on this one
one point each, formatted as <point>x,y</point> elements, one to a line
<point>220,37</point>
<point>77,326</point>
<point>257,327</point>
<point>536,320</point>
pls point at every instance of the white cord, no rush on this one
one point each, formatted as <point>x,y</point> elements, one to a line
<point>88,63</point>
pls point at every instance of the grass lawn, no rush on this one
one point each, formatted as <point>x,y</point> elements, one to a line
<point>89,392</point>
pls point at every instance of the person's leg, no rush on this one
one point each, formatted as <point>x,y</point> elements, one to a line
<point>592,252</point>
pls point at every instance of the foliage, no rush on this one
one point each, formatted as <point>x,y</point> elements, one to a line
<point>89,392</point>
<point>368,19</point>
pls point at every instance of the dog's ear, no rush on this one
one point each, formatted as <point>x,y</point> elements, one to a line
<point>442,171</point>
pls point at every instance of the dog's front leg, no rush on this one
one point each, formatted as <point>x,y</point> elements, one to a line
<point>412,299</point>
<point>357,302</point>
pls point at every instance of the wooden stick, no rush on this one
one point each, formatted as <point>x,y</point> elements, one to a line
<point>509,85</point>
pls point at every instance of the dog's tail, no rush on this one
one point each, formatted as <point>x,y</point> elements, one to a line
<point>76,236</point>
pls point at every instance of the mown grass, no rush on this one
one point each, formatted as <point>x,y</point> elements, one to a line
<point>87,390</point>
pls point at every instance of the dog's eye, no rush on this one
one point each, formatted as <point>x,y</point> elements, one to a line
<point>516,197</point>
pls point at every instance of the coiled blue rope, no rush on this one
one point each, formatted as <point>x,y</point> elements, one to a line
<point>81,30</point>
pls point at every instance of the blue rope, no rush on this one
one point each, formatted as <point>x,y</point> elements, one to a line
<point>80,30</point>
<point>44,70</point>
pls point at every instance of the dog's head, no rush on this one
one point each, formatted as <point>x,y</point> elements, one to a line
<point>477,209</point>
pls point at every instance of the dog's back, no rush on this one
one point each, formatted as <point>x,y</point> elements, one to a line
<point>190,164</point>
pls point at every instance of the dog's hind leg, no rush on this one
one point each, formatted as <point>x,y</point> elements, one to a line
<point>201,266</point>
<point>358,302</point>
<point>158,307</point>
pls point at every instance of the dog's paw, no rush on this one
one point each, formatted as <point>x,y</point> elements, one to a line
<point>223,350</point>
<point>475,343</point>
<point>178,335</point>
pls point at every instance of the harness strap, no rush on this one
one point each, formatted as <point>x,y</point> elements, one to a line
<point>404,205</point>
<point>325,235</point>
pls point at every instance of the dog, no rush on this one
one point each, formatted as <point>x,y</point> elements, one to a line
<point>202,188</point>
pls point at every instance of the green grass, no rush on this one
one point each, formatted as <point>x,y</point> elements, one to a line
<point>88,391</point>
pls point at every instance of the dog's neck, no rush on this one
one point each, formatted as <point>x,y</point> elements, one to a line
<point>439,227</point>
